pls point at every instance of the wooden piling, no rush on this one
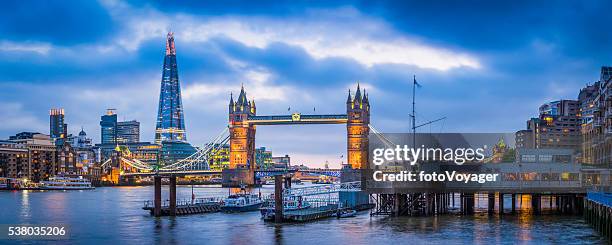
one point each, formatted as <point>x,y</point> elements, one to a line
<point>157,201</point>
<point>501,203</point>
<point>172,196</point>
<point>278,198</point>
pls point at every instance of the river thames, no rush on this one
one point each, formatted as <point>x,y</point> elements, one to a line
<point>114,215</point>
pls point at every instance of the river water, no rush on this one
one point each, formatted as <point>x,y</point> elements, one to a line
<point>113,215</point>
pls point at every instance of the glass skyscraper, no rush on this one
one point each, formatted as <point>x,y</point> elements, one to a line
<point>108,127</point>
<point>128,132</point>
<point>170,121</point>
<point>57,127</point>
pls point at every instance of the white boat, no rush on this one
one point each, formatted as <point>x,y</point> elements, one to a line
<point>241,203</point>
<point>346,213</point>
<point>66,183</point>
<point>289,204</point>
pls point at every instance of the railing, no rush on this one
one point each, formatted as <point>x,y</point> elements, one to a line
<point>322,189</point>
<point>601,198</point>
<point>184,202</point>
<point>302,117</point>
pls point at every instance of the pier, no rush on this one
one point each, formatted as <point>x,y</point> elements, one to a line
<point>598,212</point>
<point>186,206</point>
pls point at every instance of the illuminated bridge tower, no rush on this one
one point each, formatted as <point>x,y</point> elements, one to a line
<point>242,133</point>
<point>357,129</point>
<point>242,142</point>
<point>170,120</point>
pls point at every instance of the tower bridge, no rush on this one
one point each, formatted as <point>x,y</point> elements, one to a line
<point>243,121</point>
<point>240,134</point>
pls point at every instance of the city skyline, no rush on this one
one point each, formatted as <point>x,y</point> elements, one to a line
<point>274,55</point>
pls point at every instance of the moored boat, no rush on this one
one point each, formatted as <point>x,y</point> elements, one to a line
<point>241,203</point>
<point>289,204</point>
<point>65,183</point>
<point>346,213</point>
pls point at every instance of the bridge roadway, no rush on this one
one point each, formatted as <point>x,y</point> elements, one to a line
<point>297,118</point>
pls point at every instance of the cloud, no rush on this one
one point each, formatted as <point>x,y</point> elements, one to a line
<point>17,118</point>
<point>320,35</point>
<point>36,47</point>
<point>302,55</point>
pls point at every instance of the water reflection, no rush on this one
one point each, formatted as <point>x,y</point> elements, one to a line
<point>114,215</point>
<point>25,205</point>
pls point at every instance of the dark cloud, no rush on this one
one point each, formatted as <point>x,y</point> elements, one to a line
<point>529,52</point>
<point>58,22</point>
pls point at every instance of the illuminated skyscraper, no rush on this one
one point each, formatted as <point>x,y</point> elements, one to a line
<point>128,132</point>
<point>170,121</point>
<point>58,128</point>
<point>108,127</point>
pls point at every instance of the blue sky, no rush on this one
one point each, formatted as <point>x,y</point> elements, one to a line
<point>486,65</point>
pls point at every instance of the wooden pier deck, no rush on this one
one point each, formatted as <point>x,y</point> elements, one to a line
<point>185,207</point>
<point>309,214</point>
<point>598,212</point>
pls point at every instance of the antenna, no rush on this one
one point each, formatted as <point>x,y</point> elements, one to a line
<point>413,115</point>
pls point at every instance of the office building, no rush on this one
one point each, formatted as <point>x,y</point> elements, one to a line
<point>263,158</point>
<point>13,160</point>
<point>596,125</point>
<point>108,127</point>
<point>42,156</point>
<point>557,126</point>
<point>57,127</point>
<point>283,162</point>
<point>128,132</point>
<point>170,119</point>
<point>174,151</point>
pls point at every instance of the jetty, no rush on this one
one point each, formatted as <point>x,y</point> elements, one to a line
<point>598,212</point>
<point>186,206</point>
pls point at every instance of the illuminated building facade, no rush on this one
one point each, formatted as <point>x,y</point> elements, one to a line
<point>143,151</point>
<point>558,126</point>
<point>128,132</point>
<point>242,135</point>
<point>220,158</point>
<point>263,158</point>
<point>13,160</point>
<point>174,151</point>
<point>357,129</point>
<point>41,155</point>
<point>283,162</point>
<point>57,127</point>
<point>67,160</point>
<point>584,125</point>
<point>108,127</point>
<point>596,126</point>
<point>170,121</point>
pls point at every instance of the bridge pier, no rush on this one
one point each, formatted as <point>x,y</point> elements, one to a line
<point>157,202</point>
<point>287,180</point>
<point>467,203</point>
<point>536,203</point>
<point>513,203</point>
<point>501,203</point>
<point>278,198</point>
<point>237,177</point>
<point>491,203</point>
<point>172,195</point>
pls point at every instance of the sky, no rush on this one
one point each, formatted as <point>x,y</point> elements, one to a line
<point>485,65</point>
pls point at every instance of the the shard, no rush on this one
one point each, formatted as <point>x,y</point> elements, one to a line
<point>170,119</point>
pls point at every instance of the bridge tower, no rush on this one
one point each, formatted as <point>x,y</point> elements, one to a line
<point>242,141</point>
<point>357,129</point>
